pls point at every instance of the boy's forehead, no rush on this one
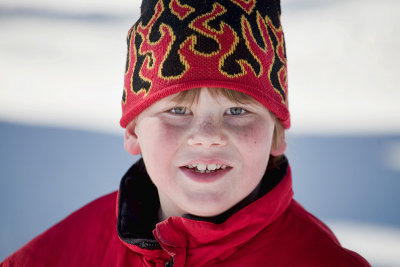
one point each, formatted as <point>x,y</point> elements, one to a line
<point>204,97</point>
<point>192,96</point>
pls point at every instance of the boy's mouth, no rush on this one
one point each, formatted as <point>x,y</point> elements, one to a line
<point>206,168</point>
<point>205,171</point>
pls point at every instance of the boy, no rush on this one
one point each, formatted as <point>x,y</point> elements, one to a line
<point>205,103</point>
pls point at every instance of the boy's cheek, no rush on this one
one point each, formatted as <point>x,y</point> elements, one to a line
<point>160,136</point>
<point>170,132</point>
<point>251,134</point>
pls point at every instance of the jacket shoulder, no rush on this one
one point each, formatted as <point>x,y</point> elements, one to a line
<point>318,242</point>
<point>87,231</point>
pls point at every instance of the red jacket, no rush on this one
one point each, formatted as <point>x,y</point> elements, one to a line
<point>267,229</point>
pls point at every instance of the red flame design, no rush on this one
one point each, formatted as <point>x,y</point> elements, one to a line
<point>196,60</point>
<point>266,56</point>
<point>247,6</point>
<point>162,46</point>
<point>280,50</point>
<point>131,63</point>
<point>179,10</point>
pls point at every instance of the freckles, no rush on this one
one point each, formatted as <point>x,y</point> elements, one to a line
<point>169,134</point>
<point>165,134</point>
<point>253,136</point>
<point>250,138</point>
<point>249,135</point>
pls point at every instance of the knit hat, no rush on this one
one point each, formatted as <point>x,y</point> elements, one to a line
<point>178,45</point>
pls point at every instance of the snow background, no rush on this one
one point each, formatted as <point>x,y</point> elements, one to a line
<point>61,78</point>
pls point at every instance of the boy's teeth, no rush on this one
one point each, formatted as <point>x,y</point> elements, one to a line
<point>201,167</point>
<point>206,167</point>
<point>211,167</point>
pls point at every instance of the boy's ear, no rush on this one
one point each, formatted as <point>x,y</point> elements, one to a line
<point>131,143</point>
<point>279,147</point>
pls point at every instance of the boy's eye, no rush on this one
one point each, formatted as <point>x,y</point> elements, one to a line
<point>180,111</point>
<point>236,111</point>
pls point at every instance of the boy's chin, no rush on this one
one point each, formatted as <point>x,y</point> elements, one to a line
<point>207,213</point>
<point>207,205</point>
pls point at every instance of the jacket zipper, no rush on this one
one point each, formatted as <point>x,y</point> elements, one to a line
<point>170,263</point>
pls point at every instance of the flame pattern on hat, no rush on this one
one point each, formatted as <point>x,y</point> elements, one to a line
<point>178,45</point>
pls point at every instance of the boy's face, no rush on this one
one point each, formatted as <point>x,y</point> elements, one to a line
<point>233,141</point>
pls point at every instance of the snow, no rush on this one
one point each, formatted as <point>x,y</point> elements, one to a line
<point>63,63</point>
<point>378,244</point>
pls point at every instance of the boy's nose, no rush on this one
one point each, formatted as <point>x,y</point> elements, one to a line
<point>207,134</point>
